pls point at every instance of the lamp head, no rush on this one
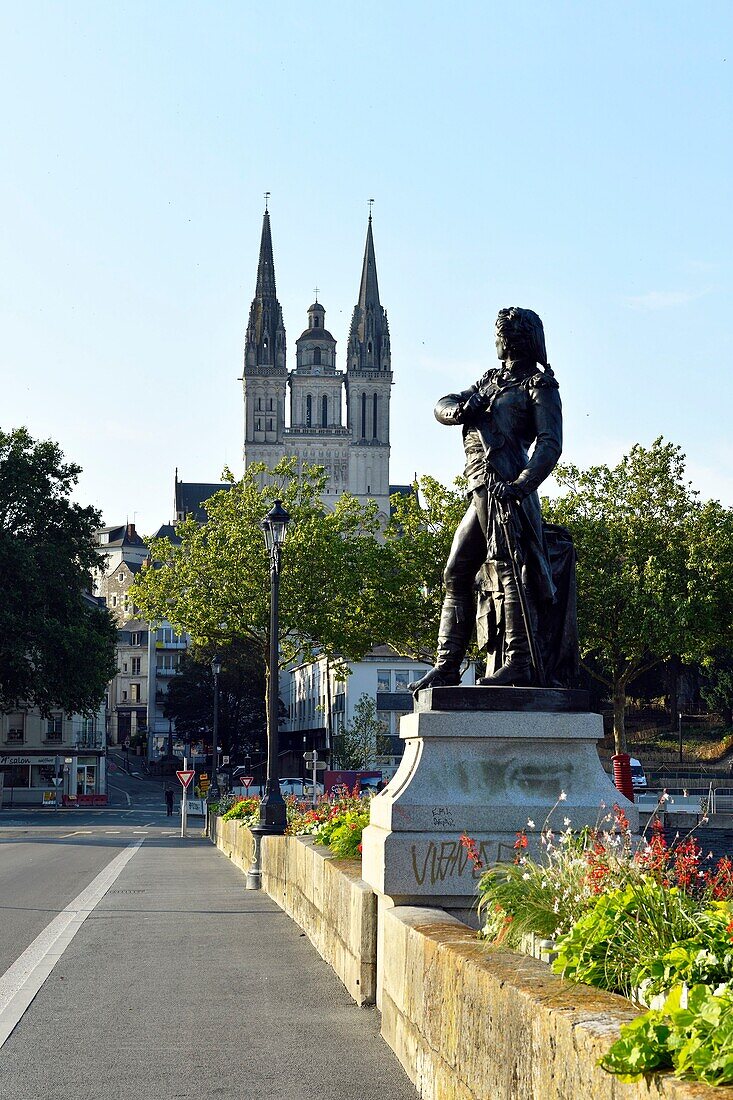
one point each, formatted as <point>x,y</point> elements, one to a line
<point>216,664</point>
<point>274,525</point>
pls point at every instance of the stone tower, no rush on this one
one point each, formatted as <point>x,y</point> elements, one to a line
<point>317,433</point>
<point>355,455</point>
<point>265,376</point>
<point>368,386</point>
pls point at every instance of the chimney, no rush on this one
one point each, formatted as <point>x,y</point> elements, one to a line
<point>131,530</point>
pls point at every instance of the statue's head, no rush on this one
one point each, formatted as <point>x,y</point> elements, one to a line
<point>520,335</point>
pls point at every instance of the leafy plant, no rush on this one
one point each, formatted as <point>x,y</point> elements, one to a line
<point>691,1034</point>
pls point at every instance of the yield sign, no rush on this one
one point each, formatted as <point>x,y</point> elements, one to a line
<point>185,778</point>
<point>246,781</point>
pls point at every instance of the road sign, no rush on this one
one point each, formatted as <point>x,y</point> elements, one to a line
<point>184,778</point>
<point>225,759</point>
<point>246,781</point>
<point>310,756</point>
<point>56,780</point>
<point>319,766</point>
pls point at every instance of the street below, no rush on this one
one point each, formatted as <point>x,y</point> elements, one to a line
<point>174,981</point>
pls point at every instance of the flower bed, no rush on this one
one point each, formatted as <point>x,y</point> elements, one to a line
<point>336,823</point>
<point>651,921</point>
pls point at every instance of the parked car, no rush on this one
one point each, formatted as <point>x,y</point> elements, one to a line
<point>301,788</point>
<point>638,778</point>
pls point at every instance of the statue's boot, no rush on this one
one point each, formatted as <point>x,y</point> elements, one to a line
<point>454,634</point>
<point>517,670</point>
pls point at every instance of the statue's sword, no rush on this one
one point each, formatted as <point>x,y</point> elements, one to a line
<point>507,527</point>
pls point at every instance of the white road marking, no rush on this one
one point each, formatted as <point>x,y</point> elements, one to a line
<point>22,980</point>
<point>116,788</point>
<point>76,832</point>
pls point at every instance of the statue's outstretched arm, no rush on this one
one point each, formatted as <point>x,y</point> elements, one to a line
<point>451,408</point>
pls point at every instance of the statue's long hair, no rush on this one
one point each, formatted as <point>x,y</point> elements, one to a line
<point>523,334</point>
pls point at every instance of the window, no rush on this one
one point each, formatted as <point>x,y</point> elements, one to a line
<point>308,411</point>
<point>121,577</point>
<point>363,416</point>
<point>134,693</point>
<point>136,638</point>
<point>317,357</point>
<point>384,679</point>
<point>16,729</point>
<point>258,424</point>
<point>259,404</point>
<point>324,411</point>
<point>124,666</point>
<point>114,601</point>
<point>374,418</point>
<point>316,321</point>
<point>53,728</point>
<point>402,679</point>
<point>269,404</point>
<point>385,717</point>
<point>269,425</point>
<point>135,666</point>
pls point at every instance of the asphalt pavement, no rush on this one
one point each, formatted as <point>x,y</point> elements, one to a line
<point>179,983</point>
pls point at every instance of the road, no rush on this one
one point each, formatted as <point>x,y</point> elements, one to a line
<point>168,980</point>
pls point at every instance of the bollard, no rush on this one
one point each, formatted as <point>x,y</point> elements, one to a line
<point>622,774</point>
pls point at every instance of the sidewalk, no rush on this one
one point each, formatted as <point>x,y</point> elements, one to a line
<point>183,984</point>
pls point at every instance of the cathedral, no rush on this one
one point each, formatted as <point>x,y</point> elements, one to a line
<point>309,421</point>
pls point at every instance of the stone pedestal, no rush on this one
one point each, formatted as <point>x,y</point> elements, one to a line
<point>482,761</point>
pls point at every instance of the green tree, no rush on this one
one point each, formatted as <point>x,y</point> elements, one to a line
<point>360,740</point>
<point>57,644</point>
<point>417,544</point>
<point>651,580</point>
<point>215,585</point>
<point>190,699</point>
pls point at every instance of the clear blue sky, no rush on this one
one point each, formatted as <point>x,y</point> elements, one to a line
<point>573,157</point>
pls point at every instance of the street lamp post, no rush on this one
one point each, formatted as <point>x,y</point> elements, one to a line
<point>214,785</point>
<point>273,814</point>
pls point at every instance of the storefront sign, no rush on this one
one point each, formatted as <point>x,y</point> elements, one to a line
<point>19,761</point>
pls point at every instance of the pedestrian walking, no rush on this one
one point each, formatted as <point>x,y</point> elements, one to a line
<point>169,801</point>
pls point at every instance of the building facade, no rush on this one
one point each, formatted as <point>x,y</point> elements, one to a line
<point>338,419</point>
<point>147,654</point>
<point>55,760</point>
<point>321,701</point>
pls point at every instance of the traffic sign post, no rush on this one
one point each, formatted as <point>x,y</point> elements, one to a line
<point>311,757</point>
<point>184,778</point>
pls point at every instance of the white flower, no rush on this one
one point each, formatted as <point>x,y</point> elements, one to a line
<point>566,821</point>
<point>530,823</point>
<point>562,796</point>
<point>526,876</point>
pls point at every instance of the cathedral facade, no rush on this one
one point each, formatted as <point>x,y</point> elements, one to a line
<point>338,419</point>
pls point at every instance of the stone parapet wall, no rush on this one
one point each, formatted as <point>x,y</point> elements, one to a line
<point>466,1022</point>
<point>328,899</point>
<point>471,1023</point>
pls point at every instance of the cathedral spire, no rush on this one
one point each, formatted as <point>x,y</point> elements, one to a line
<point>264,346</point>
<point>369,289</point>
<point>368,347</point>
<point>266,265</point>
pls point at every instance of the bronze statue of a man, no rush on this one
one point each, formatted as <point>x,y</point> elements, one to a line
<point>507,571</point>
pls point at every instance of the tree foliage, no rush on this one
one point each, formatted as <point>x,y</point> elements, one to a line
<point>653,578</point>
<point>215,585</point>
<point>190,699</point>
<point>56,644</point>
<point>360,740</point>
<point>417,544</point>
